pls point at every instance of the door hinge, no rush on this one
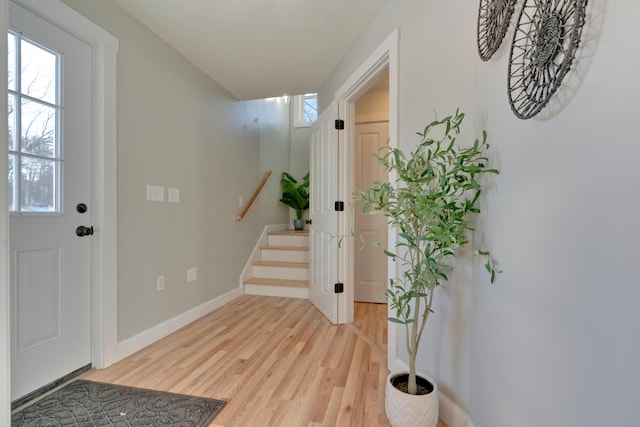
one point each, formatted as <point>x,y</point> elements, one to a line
<point>339,206</point>
<point>339,124</point>
<point>339,288</point>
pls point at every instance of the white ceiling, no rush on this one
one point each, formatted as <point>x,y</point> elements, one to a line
<point>258,48</point>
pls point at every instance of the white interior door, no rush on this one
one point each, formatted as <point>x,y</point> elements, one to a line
<point>324,220</point>
<point>49,198</point>
<point>370,263</point>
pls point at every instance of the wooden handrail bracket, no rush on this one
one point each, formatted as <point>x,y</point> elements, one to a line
<point>265,178</point>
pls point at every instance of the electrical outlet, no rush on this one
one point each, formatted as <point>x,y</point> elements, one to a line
<point>192,274</point>
<point>160,283</point>
<point>240,201</point>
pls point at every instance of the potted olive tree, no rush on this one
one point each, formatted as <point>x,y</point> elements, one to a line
<point>431,204</point>
<point>295,196</point>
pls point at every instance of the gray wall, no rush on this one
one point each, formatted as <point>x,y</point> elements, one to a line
<point>283,147</point>
<point>300,139</point>
<point>554,341</point>
<point>177,128</point>
<point>274,155</point>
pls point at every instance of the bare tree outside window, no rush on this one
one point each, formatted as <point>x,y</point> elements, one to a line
<point>305,109</point>
<point>310,107</point>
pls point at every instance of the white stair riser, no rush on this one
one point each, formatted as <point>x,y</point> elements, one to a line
<point>287,240</point>
<point>284,255</point>
<point>276,291</point>
<point>281,272</point>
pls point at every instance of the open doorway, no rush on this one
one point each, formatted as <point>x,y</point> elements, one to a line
<point>371,135</point>
<point>383,60</point>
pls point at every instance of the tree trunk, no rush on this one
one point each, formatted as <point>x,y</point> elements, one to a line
<point>413,387</point>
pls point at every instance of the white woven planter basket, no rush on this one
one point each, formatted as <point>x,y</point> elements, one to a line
<point>407,410</point>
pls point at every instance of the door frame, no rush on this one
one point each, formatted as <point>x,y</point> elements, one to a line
<point>103,192</point>
<point>383,58</point>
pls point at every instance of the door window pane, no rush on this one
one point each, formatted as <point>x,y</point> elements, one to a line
<point>38,185</point>
<point>12,183</point>
<point>12,122</point>
<point>38,72</point>
<point>38,129</point>
<point>11,62</point>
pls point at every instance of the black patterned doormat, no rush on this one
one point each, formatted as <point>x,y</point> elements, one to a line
<point>87,403</point>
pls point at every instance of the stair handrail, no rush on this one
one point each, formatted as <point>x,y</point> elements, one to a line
<point>265,178</point>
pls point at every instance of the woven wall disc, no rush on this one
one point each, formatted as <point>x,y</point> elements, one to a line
<point>544,45</point>
<point>493,20</point>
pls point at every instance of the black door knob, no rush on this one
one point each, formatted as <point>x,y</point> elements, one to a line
<point>308,221</point>
<point>81,208</point>
<point>82,231</point>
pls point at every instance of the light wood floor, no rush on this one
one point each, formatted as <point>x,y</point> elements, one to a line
<point>276,361</point>
<point>371,320</point>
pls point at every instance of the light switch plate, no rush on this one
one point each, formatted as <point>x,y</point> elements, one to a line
<point>155,193</point>
<point>174,195</point>
<point>192,274</point>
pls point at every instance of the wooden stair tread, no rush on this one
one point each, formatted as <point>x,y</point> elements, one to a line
<point>285,264</point>
<point>290,233</point>
<point>286,248</point>
<point>277,282</point>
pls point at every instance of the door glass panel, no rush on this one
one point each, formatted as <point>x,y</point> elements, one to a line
<point>11,62</point>
<point>38,72</point>
<point>33,122</point>
<point>38,129</point>
<point>12,122</point>
<point>12,182</point>
<point>38,185</point>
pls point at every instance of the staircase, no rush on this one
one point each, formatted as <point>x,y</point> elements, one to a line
<point>283,267</point>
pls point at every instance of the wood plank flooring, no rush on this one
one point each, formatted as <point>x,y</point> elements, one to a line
<point>371,320</point>
<point>276,361</point>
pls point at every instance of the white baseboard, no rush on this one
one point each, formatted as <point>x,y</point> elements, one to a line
<point>143,339</point>
<point>452,414</point>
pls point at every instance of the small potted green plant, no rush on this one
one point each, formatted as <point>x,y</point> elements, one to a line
<point>296,196</point>
<point>431,204</point>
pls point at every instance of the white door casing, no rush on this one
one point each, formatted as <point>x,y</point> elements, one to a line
<point>370,263</point>
<point>324,222</point>
<point>50,272</point>
<point>383,58</point>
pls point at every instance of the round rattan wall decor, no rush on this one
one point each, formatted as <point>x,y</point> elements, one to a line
<point>493,20</point>
<point>544,45</point>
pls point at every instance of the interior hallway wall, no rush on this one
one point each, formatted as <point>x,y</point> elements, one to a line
<point>553,341</point>
<point>177,128</point>
<point>562,220</point>
<point>275,154</point>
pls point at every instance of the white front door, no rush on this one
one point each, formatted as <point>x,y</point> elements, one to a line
<point>370,263</point>
<point>49,198</point>
<point>324,220</point>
